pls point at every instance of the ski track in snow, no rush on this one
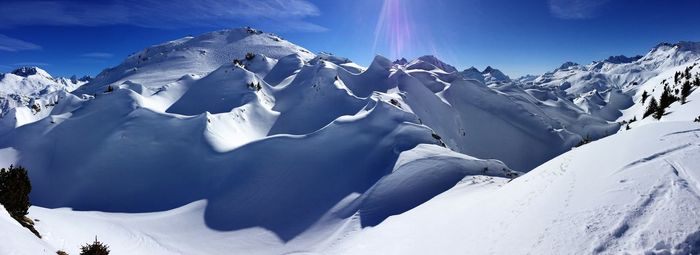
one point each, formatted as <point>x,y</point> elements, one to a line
<point>644,210</point>
<point>656,156</point>
<point>685,180</point>
<point>635,217</point>
<point>561,214</point>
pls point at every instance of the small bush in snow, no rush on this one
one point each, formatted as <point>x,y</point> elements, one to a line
<point>36,108</point>
<point>439,139</point>
<point>255,86</point>
<point>697,119</point>
<point>109,89</point>
<point>96,248</point>
<point>61,252</point>
<point>249,56</point>
<point>584,141</point>
<point>395,102</point>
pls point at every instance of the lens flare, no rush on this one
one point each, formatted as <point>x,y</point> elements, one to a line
<point>394,28</point>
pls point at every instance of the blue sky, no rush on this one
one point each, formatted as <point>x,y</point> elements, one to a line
<point>520,37</point>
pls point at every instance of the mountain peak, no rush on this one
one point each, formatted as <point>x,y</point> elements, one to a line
<point>401,61</point>
<point>494,75</point>
<point>27,71</point>
<point>438,63</point>
<point>621,59</point>
<point>567,64</point>
<point>681,45</point>
<point>199,54</point>
<point>380,62</point>
<point>472,69</point>
<point>688,46</point>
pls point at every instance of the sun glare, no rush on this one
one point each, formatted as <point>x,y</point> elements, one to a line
<point>394,28</point>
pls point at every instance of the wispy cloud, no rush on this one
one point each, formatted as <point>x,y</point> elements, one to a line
<point>159,14</point>
<point>97,55</point>
<point>575,9</point>
<point>13,44</point>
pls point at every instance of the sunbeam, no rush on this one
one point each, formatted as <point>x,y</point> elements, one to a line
<point>394,28</point>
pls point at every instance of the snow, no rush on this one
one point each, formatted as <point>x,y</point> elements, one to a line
<point>220,91</point>
<point>28,94</point>
<point>161,64</point>
<point>194,146</point>
<point>473,74</point>
<point>271,193</point>
<point>636,192</point>
<point>619,72</point>
<point>654,87</point>
<point>492,75</point>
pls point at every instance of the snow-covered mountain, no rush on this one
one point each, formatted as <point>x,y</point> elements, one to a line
<point>616,89</point>
<point>619,72</point>
<point>239,141</point>
<point>28,94</point>
<point>156,66</point>
<point>489,76</point>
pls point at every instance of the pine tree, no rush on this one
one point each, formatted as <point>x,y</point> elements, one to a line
<point>14,191</point>
<point>645,95</point>
<point>651,108</point>
<point>675,77</point>
<point>96,248</point>
<point>685,91</point>
<point>667,98</point>
<point>659,112</point>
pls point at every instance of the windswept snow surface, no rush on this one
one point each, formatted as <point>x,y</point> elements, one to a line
<point>632,193</point>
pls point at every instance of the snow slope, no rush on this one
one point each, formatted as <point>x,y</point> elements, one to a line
<point>632,193</point>
<point>500,121</point>
<point>677,111</point>
<point>272,199</point>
